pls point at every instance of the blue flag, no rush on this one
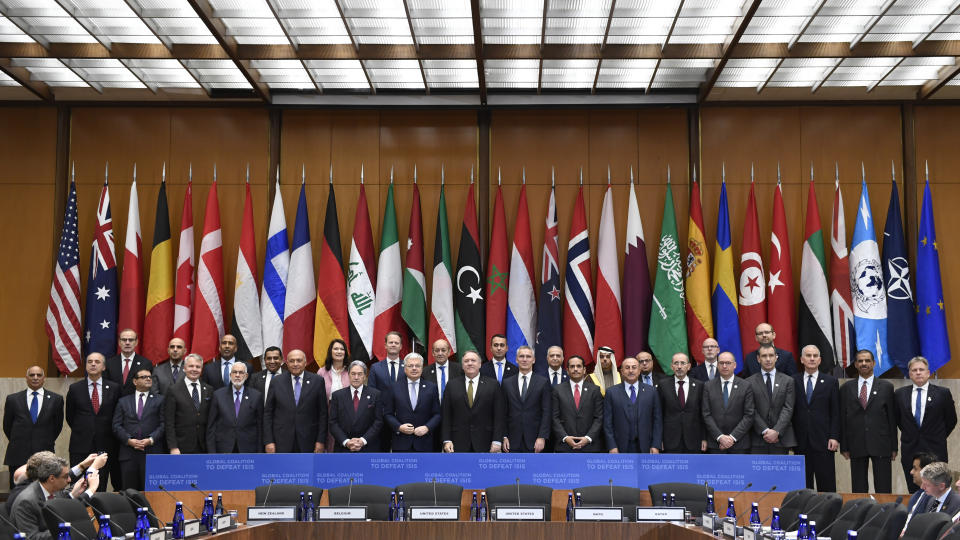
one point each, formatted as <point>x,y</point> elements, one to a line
<point>548,310</point>
<point>931,315</point>
<point>867,287</point>
<point>726,320</point>
<point>100,332</point>
<point>901,312</point>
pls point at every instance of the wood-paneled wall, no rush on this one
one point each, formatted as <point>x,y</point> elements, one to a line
<point>650,140</point>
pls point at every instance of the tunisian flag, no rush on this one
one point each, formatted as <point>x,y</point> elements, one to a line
<point>753,299</point>
<point>208,316</point>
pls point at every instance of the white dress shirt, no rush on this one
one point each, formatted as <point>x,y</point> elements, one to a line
<point>813,378</point>
<point>39,399</point>
<point>923,401</point>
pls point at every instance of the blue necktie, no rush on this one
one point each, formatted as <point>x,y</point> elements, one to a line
<point>393,372</point>
<point>35,406</point>
<point>196,397</point>
<point>809,387</point>
<point>555,381</point>
<point>726,393</point>
<point>443,380</point>
<point>296,389</point>
<point>236,404</point>
<point>647,381</point>
<point>633,394</point>
<point>499,372</point>
<point>413,395</point>
<point>916,414</point>
<point>226,373</point>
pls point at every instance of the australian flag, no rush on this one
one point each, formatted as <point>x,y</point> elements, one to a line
<point>901,312</point>
<point>100,334</point>
<point>549,313</point>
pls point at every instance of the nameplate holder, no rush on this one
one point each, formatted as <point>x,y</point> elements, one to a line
<point>434,513</point>
<point>191,527</point>
<point>729,528</point>
<point>341,513</point>
<point>160,534</point>
<point>269,514</point>
<point>225,523</point>
<point>598,513</point>
<point>662,513</point>
<point>710,522</point>
<point>520,513</point>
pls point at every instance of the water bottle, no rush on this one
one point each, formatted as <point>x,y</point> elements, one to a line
<point>731,510</point>
<point>392,506</point>
<point>802,526</point>
<point>205,513</point>
<point>218,511</point>
<point>104,522</point>
<point>64,533</point>
<point>673,499</point>
<point>570,507</point>
<point>143,524</point>
<point>301,506</point>
<point>754,514</point>
<point>474,508</point>
<point>309,514</point>
<point>19,536</point>
<point>401,508</point>
<point>663,499</point>
<point>851,534</point>
<point>812,530</point>
<point>775,520</point>
<point>177,523</point>
<point>578,499</point>
<point>710,510</point>
<point>483,506</point>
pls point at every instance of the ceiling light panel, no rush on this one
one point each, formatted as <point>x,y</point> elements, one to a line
<point>706,21</point>
<point>917,71</point>
<point>568,73</point>
<point>441,21</point>
<point>157,73</point>
<point>10,33</point>
<point>802,72</point>
<point>682,73</point>
<point>860,71</point>
<point>104,73</point>
<point>249,22</point>
<point>45,21</point>
<point>173,21</point>
<point>624,74</point>
<point>511,21</point>
<point>310,22</point>
<point>451,73</point>
<point>746,72</point>
<point>110,21</point>
<point>287,74</point>
<point>338,74</point>
<point>511,73</point>
<point>576,21</point>
<point>50,71</point>
<point>377,21</point>
<point>217,73</point>
<point>394,74</point>
<point>6,80</point>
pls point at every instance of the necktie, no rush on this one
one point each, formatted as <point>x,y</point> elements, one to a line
<point>413,394</point>
<point>35,406</point>
<point>555,379</point>
<point>863,395</point>
<point>236,403</point>
<point>176,371</point>
<point>356,400</point>
<point>710,370</point>
<point>647,380</point>
<point>443,380</point>
<point>633,394</point>
<point>918,413</point>
<point>196,396</point>
<point>680,394</point>
<point>393,371</point>
<point>296,389</point>
<point>769,386</point>
<point>726,393</point>
<point>576,395</point>
<point>95,398</point>
<point>226,373</point>
<point>126,369</point>
<point>933,505</point>
<point>140,407</point>
<point>499,372</point>
<point>50,497</point>
<point>523,389</point>
<point>470,393</point>
<point>809,387</point>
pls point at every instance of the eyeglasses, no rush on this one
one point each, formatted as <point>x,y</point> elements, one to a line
<point>127,340</point>
<point>143,377</point>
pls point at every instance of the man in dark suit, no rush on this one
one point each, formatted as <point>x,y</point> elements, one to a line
<point>498,368</point>
<point>53,477</point>
<point>356,413</point>
<point>273,361</point>
<point>216,373</point>
<point>295,414</point>
<point>170,372</point>
<point>413,409</point>
<point>385,373</point>
<point>765,336</point>
<point>473,411</point>
<point>647,376</point>
<point>186,407</point>
<point>528,406</point>
<point>90,404</point>
<point>121,366</point>
<point>707,371</point>
<point>442,370</point>
<point>926,415</point>
<point>555,372</point>
<point>32,420</point>
<point>235,423</point>
<point>577,411</point>
<point>727,409</point>
<point>680,399</point>
<point>816,420</point>
<point>868,429</point>
<point>773,399</point>
<point>935,494</point>
<point>632,421</point>
<point>138,423</point>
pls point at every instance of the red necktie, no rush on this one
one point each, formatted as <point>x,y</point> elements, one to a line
<point>576,396</point>
<point>683,398</point>
<point>356,400</point>
<point>126,369</point>
<point>95,399</point>
<point>863,395</point>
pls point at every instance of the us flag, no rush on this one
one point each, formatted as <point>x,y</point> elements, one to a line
<point>63,310</point>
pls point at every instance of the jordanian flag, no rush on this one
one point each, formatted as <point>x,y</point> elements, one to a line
<point>468,287</point>
<point>814,294</point>
<point>668,329</point>
<point>413,307</point>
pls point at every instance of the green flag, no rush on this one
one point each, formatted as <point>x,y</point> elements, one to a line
<point>668,327</point>
<point>414,303</point>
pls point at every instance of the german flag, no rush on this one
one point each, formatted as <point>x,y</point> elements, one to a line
<point>331,319</point>
<point>158,322</point>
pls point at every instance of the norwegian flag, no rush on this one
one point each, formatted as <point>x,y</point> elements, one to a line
<point>578,307</point>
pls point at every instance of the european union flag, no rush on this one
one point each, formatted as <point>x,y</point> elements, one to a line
<point>901,311</point>
<point>931,311</point>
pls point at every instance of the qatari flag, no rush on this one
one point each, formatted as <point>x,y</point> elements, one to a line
<point>636,290</point>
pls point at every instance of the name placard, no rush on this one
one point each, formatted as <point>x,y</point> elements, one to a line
<point>520,513</point>
<point>191,528</point>
<point>341,513</point>
<point>434,513</point>
<point>663,513</point>
<point>600,513</point>
<point>729,528</point>
<point>709,523</point>
<point>749,534</point>
<point>225,523</point>
<point>160,534</point>
<point>267,514</point>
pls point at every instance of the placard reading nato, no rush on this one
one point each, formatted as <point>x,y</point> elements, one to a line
<point>213,472</point>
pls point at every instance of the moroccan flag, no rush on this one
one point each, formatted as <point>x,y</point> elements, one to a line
<point>183,294</point>
<point>609,321</point>
<point>814,295</point>
<point>867,286</point>
<point>441,297</point>
<point>389,281</point>
<point>208,317</point>
<point>361,284</point>
<point>549,308</point>
<point>498,274</point>
<point>246,303</point>
<point>753,287</point>
<point>158,322</point>
<point>101,307</point>
<point>637,295</point>
<point>697,279</point>
<point>301,298</point>
<point>668,332</point>
<point>413,307</point>
<point>931,318</point>
<point>781,311</point>
<point>726,320</point>
<point>578,290</point>
<point>331,317</point>
<point>132,301</point>
<point>468,295</point>
<point>841,305</point>
<point>521,301</point>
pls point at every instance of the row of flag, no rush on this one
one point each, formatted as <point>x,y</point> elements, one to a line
<point>371,295</point>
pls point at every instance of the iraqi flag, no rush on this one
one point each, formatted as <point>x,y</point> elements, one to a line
<point>208,317</point>
<point>132,302</point>
<point>387,316</point>
<point>246,325</point>
<point>468,293</point>
<point>753,287</point>
<point>609,321</point>
<point>498,274</point>
<point>577,289</point>
<point>361,283</point>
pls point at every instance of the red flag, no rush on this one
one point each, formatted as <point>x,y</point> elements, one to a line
<point>841,302</point>
<point>609,323</point>
<point>782,310</point>
<point>498,274</point>
<point>753,299</point>
<point>158,322</point>
<point>183,294</point>
<point>361,283</point>
<point>208,318</point>
<point>577,287</point>
<point>132,297</point>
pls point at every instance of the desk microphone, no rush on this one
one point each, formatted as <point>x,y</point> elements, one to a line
<point>176,501</point>
<point>737,494</point>
<point>845,512</point>
<point>267,496</point>
<point>101,514</point>
<point>194,486</point>
<point>805,512</point>
<point>882,510</point>
<point>350,491</point>
<point>60,518</point>
<point>518,491</point>
<point>611,492</point>
<point>434,490</point>
<point>138,505</point>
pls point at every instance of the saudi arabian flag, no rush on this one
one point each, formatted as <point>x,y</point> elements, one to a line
<point>668,328</point>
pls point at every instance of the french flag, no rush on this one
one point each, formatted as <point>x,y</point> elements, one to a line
<point>521,303</point>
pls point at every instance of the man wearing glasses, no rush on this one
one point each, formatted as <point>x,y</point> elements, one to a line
<point>727,409</point>
<point>765,335</point>
<point>138,425</point>
<point>32,420</point>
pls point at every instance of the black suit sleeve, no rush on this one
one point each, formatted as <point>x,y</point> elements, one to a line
<point>322,411</point>
<point>949,412</point>
<point>170,419</point>
<point>8,414</point>
<point>834,420</point>
<point>57,419</point>
<point>499,414</point>
<point>268,415</point>
<point>546,406</point>
<point>374,430</point>
<point>212,418</point>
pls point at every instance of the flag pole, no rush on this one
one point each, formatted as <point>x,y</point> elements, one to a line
<point>134,172</point>
<point>893,171</point>
<point>631,173</point>
<point>836,174</point>
<point>163,174</point>
<point>498,176</point>
<point>608,173</point>
<point>106,173</point>
<point>214,173</point>
<point>190,173</point>
<point>442,174</point>
<point>331,173</point>
<point>414,173</point>
<point>391,174</point>
<point>553,177</point>
<point>361,173</point>
<point>248,172</point>
<point>523,172</point>
<point>581,176</point>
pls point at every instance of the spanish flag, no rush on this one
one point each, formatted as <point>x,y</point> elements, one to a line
<point>699,317</point>
<point>158,322</point>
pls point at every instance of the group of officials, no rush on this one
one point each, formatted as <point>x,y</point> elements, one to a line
<point>128,408</point>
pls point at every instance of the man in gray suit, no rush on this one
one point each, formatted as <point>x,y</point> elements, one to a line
<point>727,409</point>
<point>53,476</point>
<point>773,400</point>
<point>170,372</point>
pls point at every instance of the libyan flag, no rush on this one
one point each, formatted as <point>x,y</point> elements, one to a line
<point>468,286</point>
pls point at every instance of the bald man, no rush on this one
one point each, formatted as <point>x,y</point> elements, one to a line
<point>90,405</point>
<point>295,414</point>
<point>32,420</point>
<point>217,372</point>
<point>120,367</point>
<point>170,371</point>
<point>707,371</point>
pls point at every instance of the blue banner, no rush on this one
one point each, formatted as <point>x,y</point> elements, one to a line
<point>219,472</point>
